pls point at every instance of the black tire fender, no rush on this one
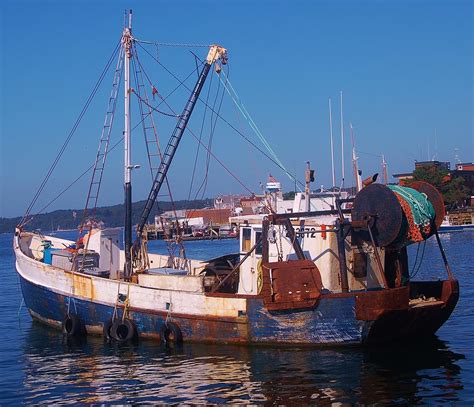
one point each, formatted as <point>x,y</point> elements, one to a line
<point>171,333</point>
<point>72,326</point>
<point>123,331</point>
<point>106,330</point>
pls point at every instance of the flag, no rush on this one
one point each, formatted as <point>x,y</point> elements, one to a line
<point>271,178</point>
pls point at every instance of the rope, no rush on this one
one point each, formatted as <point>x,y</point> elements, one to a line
<point>153,108</point>
<point>21,306</point>
<point>171,44</point>
<point>416,258</point>
<point>225,121</point>
<point>69,186</point>
<point>211,137</point>
<point>421,261</point>
<point>194,135</point>
<point>233,94</point>
<point>200,138</point>
<point>142,70</point>
<point>168,315</point>
<point>71,133</point>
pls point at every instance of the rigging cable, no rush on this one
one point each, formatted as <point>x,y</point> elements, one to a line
<point>104,142</point>
<point>227,122</point>
<point>70,135</point>
<point>211,137</point>
<point>421,261</point>
<point>170,44</point>
<point>210,152</point>
<point>153,108</point>
<point>233,94</point>
<point>142,70</point>
<point>70,185</point>
<point>200,138</point>
<point>163,98</point>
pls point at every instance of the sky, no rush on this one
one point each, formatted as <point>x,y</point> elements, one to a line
<point>405,69</point>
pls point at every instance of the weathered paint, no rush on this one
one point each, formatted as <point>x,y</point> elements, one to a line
<point>105,291</point>
<point>49,292</point>
<point>331,322</point>
<point>51,307</point>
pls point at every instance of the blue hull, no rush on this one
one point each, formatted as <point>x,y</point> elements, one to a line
<point>332,322</point>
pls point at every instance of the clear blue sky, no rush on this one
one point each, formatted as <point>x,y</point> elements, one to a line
<point>405,68</point>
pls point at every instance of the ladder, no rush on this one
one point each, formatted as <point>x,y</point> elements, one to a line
<point>149,129</point>
<point>99,164</point>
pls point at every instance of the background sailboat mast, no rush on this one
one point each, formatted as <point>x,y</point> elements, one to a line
<point>384,170</point>
<point>355,164</point>
<point>342,146</point>
<point>332,146</point>
<point>127,45</point>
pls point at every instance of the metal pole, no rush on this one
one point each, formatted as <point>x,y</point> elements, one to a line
<point>342,145</point>
<point>443,255</point>
<point>332,146</point>
<point>215,52</point>
<point>307,194</point>
<point>127,43</point>
<point>342,256</point>
<point>354,162</point>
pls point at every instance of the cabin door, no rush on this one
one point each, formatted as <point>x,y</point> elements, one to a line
<point>250,270</point>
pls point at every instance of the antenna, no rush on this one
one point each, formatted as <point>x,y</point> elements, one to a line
<point>429,154</point>
<point>332,145</point>
<point>384,170</point>
<point>354,162</point>
<point>342,145</point>
<point>309,176</point>
<point>456,155</point>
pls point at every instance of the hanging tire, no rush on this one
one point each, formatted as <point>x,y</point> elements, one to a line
<point>171,333</point>
<point>72,326</point>
<point>106,330</point>
<point>123,331</point>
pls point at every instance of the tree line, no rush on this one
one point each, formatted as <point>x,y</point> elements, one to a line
<point>112,216</point>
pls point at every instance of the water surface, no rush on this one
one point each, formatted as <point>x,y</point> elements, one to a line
<point>37,365</point>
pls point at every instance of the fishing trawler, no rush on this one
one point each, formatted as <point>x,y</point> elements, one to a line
<point>337,276</point>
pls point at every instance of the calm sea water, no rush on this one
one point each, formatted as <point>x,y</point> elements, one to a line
<point>37,366</point>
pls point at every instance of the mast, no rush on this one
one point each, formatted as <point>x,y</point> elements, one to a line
<point>127,47</point>
<point>332,146</point>
<point>384,170</point>
<point>215,52</point>
<point>355,165</point>
<point>342,146</point>
<point>309,176</point>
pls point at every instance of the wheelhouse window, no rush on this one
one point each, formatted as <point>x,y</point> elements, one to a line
<point>246,239</point>
<point>259,248</point>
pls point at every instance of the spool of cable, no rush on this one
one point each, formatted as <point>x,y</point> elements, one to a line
<point>397,216</point>
<point>434,196</point>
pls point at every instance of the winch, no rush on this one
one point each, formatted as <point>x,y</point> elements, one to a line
<point>397,216</point>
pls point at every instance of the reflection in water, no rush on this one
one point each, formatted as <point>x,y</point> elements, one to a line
<point>95,372</point>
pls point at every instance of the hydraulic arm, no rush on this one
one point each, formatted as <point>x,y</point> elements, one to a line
<point>215,52</point>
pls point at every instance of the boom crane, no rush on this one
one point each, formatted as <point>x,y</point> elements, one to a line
<point>216,52</point>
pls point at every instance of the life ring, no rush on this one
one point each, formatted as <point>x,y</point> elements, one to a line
<point>72,326</point>
<point>171,333</point>
<point>122,331</point>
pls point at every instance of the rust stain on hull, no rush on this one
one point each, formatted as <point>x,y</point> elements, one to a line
<point>82,286</point>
